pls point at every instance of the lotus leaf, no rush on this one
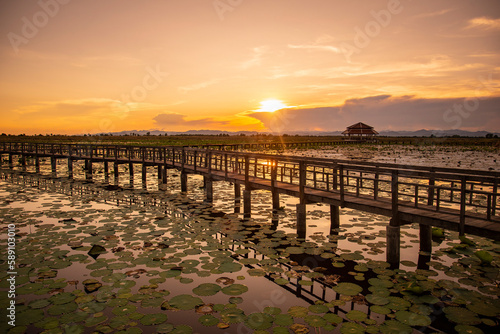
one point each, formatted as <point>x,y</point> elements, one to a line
<point>206,289</point>
<point>318,308</point>
<point>298,311</point>
<point>153,319</point>
<point>232,316</point>
<point>315,321</point>
<point>259,321</point>
<point>352,328</point>
<point>461,316</point>
<point>348,289</point>
<point>235,289</point>
<point>208,320</point>
<point>185,302</point>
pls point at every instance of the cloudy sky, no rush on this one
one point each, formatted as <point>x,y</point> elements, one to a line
<point>88,66</point>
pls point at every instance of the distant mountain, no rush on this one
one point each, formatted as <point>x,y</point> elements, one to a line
<point>387,133</point>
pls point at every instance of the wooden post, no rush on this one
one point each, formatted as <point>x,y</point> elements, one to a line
<point>89,169</point>
<point>53,163</point>
<point>274,190</point>
<point>247,203</point>
<point>430,193</point>
<point>425,238</point>
<point>159,172</point>
<point>37,164</point>
<point>106,171</point>
<point>11,161</point>
<point>393,244</point>
<point>237,192</point>
<point>463,189</point>
<point>184,180</point>
<point>302,182</point>
<point>342,188</point>
<point>70,167</point>
<point>209,191</point>
<point>301,220</point>
<point>23,161</point>
<point>116,172</point>
<point>334,217</point>
<point>395,195</point>
<point>131,171</point>
<point>164,176</point>
<point>144,173</point>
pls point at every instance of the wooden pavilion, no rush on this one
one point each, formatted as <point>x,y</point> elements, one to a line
<point>360,130</point>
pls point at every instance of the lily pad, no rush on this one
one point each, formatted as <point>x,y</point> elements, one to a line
<point>315,321</point>
<point>208,320</point>
<point>185,302</point>
<point>153,319</point>
<point>235,289</point>
<point>461,316</point>
<point>352,328</point>
<point>356,315</point>
<point>318,308</point>
<point>298,311</point>
<point>413,319</point>
<point>259,321</point>
<point>62,298</point>
<point>348,289</point>
<point>206,289</point>
<point>283,320</point>
<point>395,327</point>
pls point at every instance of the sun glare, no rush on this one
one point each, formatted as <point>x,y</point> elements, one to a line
<point>271,106</point>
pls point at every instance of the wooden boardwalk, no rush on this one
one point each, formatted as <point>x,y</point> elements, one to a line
<point>462,200</point>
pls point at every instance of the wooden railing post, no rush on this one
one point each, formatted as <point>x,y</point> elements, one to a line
<point>302,181</point>
<point>430,191</point>
<point>463,189</point>
<point>247,172</point>
<point>342,190</point>
<point>195,153</point>
<point>395,194</point>
<point>209,161</point>
<point>225,165</point>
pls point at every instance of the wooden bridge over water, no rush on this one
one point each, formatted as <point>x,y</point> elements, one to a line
<point>455,199</point>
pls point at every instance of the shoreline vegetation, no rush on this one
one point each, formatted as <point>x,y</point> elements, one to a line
<point>195,140</point>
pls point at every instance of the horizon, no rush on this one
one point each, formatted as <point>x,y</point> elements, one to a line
<point>75,67</point>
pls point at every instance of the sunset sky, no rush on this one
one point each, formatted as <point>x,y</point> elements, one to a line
<point>75,66</point>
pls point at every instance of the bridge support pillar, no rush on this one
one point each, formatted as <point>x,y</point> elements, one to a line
<point>131,170</point>
<point>11,160</point>
<point>144,173</point>
<point>164,176</point>
<point>237,193</point>
<point>88,170</point>
<point>106,171</point>
<point>23,161</point>
<point>334,217</point>
<point>184,179</point>
<point>70,168</point>
<point>425,238</point>
<point>116,172</point>
<point>276,199</point>
<point>247,203</point>
<point>37,164</point>
<point>393,245</point>
<point>301,220</point>
<point>209,189</point>
<point>53,164</point>
<point>159,172</point>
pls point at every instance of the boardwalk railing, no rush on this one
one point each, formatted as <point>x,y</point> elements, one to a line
<point>390,189</point>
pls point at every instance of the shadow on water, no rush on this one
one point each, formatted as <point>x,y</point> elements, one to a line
<point>278,258</point>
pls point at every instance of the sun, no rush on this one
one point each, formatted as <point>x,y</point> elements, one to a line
<point>271,106</point>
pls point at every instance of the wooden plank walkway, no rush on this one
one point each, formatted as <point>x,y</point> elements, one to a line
<point>462,200</point>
